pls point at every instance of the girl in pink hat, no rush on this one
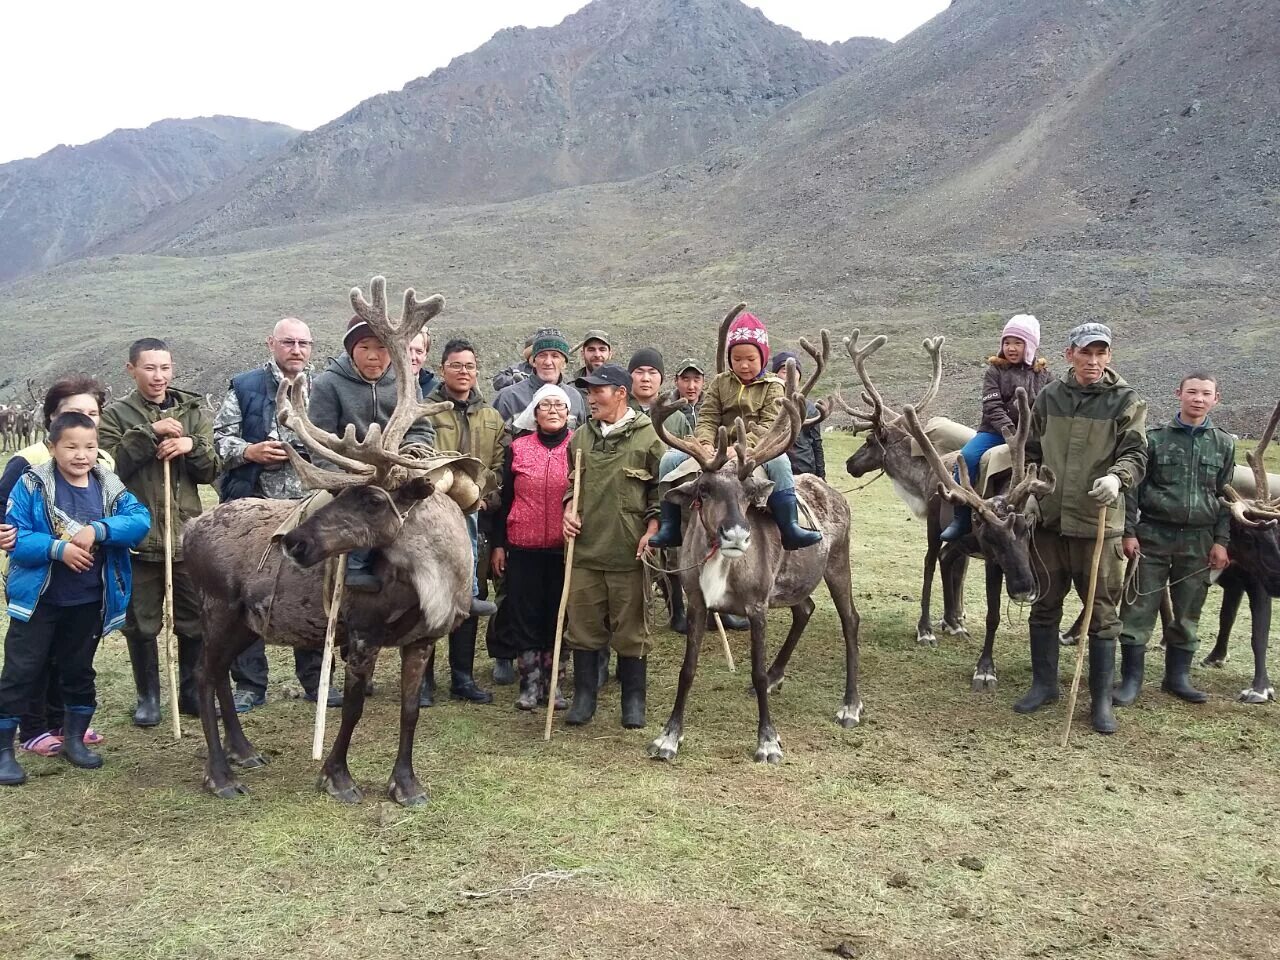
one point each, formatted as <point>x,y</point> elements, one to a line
<point>1013,367</point>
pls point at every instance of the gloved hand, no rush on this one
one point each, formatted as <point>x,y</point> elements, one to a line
<point>1106,489</point>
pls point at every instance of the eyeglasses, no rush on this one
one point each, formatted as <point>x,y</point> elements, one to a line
<point>296,344</point>
<point>549,405</point>
<point>462,367</point>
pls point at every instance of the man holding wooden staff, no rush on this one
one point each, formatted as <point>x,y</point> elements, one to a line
<point>1089,428</point>
<point>617,514</point>
<point>155,424</point>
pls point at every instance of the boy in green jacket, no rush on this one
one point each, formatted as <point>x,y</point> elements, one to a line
<point>154,424</point>
<point>1176,521</point>
<point>1089,428</point>
<point>617,514</point>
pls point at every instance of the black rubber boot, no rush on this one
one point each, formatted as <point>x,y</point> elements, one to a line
<point>11,772</point>
<point>74,725</point>
<point>961,525</point>
<point>529,667</point>
<point>1177,676</point>
<point>144,655</point>
<point>1133,660</point>
<point>731,621</point>
<point>786,513</point>
<point>483,608</point>
<point>586,683</point>
<point>631,674</point>
<point>504,672</point>
<point>427,692</point>
<point>668,534</point>
<point>1044,671</point>
<point>679,619</point>
<point>189,650</point>
<point>1102,669</point>
<point>462,655</point>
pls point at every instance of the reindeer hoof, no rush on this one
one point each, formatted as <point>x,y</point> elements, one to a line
<point>1250,695</point>
<point>249,763</point>
<point>953,629</point>
<point>1066,640</point>
<point>408,799</point>
<point>769,751</point>
<point>346,794</point>
<point>775,686</point>
<point>665,747</point>
<point>983,682</point>
<point>926,638</point>
<point>1217,661</point>
<point>227,791</point>
<point>849,716</point>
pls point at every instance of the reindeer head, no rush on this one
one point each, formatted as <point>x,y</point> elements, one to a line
<point>1255,521</point>
<point>885,429</point>
<point>1000,526</point>
<point>378,482</point>
<point>719,498</point>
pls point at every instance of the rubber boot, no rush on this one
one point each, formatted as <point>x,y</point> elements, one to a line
<point>189,650</point>
<point>529,667</point>
<point>504,673</point>
<point>631,674</point>
<point>144,656</point>
<point>679,619</point>
<point>427,692</point>
<point>75,721</point>
<point>603,661</point>
<point>1102,669</point>
<point>1044,671</point>
<point>11,772</point>
<point>462,655</point>
<point>586,683</point>
<point>960,526</point>
<point>1177,676</point>
<point>786,512</point>
<point>668,534</point>
<point>360,576</point>
<point>545,691</point>
<point>1133,660</point>
<point>731,621</point>
<point>483,608</point>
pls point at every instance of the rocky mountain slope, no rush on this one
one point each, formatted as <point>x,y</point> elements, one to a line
<point>60,204</point>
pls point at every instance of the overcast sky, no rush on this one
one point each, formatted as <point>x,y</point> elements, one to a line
<point>74,70</point>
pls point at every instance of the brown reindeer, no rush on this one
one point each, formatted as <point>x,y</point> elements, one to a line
<point>383,500</point>
<point>732,559</point>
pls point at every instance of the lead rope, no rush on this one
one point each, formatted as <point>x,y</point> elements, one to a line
<point>1131,592</point>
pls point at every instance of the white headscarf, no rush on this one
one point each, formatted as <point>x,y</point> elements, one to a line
<point>527,420</point>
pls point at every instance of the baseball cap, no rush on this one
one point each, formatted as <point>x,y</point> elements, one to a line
<point>597,335</point>
<point>607,375</point>
<point>689,363</point>
<point>1088,333</point>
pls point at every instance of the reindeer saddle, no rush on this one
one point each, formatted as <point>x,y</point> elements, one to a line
<point>946,435</point>
<point>690,469</point>
<point>1243,483</point>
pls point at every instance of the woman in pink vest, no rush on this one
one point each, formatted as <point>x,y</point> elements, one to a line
<point>528,542</point>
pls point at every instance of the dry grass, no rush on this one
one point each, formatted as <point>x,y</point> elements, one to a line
<point>945,826</point>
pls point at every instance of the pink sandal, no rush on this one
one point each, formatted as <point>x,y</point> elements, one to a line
<point>91,736</point>
<point>44,745</point>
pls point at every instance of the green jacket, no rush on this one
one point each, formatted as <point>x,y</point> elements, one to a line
<point>1081,433</point>
<point>726,398</point>
<point>125,433</point>
<point>619,492</point>
<point>1187,469</point>
<point>473,428</point>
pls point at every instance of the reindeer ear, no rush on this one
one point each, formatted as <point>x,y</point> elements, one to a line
<point>417,488</point>
<point>681,495</point>
<point>758,491</point>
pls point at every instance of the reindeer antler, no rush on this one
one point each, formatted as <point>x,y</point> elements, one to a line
<point>880,415</point>
<point>819,359</point>
<point>959,493</point>
<point>663,407</point>
<point>779,438</point>
<point>1255,458</point>
<point>722,338</point>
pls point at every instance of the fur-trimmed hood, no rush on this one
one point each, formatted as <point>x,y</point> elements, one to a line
<point>1039,365</point>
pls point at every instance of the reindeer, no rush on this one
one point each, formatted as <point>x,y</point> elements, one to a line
<point>382,500</point>
<point>732,558</point>
<point>1001,534</point>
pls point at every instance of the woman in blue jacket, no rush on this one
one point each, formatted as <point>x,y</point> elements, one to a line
<point>68,583</point>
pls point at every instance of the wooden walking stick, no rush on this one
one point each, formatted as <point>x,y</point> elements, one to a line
<point>170,640</point>
<point>724,638</point>
<point>1083,638</point>
<point>326,665</point>
<point>564,600</point>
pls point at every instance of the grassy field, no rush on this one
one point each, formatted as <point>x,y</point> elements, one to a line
<point>946,826</point>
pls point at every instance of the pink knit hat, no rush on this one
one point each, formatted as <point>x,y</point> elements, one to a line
<point>1027,329</point>
<point>746,328</point>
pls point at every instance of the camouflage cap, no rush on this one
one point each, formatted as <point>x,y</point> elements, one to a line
<point>597,335</point>
<point>1087,333</point>
<point>689,363</point>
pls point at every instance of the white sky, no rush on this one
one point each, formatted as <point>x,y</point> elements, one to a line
<point>74,70</point>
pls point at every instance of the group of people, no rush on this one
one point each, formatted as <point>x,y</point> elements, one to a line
<point>87,556</point>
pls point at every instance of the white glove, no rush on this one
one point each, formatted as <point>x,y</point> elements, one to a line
<point>1106,489</point>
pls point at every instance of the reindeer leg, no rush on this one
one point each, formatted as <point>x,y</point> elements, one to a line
<point>800,615</point>
<point>667,743</point>
<point>1260,691</point>
<point>955,564</point>
<point>840,586</point>
<point>1072,635</point>
<point>768,746</point>
<point>1232,594</point>
<point>335,778</point>
<point>984,676</point>
<point>403,787</point>
<point>239,749</point>
<point>924,629</point>
<point>218,778</point>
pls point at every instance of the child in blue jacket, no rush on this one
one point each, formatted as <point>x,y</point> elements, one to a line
<point>68,583</point>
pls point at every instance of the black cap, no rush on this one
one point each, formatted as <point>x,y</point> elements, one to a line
<point>608,375</point>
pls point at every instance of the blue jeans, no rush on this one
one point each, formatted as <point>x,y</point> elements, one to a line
<point>778,470</point>
<point>973,450</point>
<point>473,531</point>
